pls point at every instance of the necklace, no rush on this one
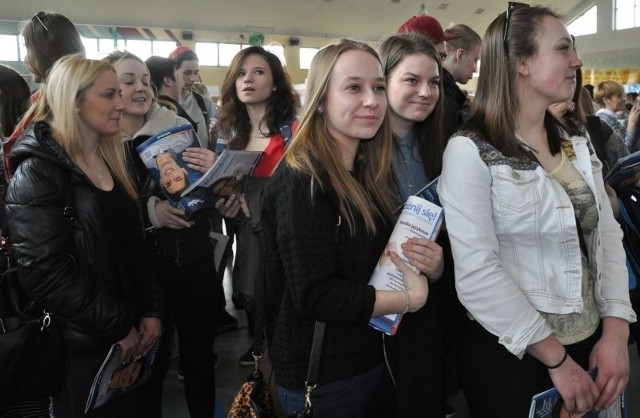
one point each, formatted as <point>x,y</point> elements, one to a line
<point>91,170</point>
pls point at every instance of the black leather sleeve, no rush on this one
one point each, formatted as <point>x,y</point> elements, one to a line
<point>49,265</point>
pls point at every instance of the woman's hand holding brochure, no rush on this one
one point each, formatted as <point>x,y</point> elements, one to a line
<point>170,217</point>
<point>575,386</point>
<point>416,228</point>
<point>199,159</point>
<point>416,285</point>
<point>129,345</point>
<point>426,255</point>
<point>410,299</point>
<point>150,331</point>
<point>232,206</point>
<point>610,356</point>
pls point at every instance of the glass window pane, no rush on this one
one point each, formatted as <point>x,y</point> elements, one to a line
<point>585,24</point>
<point>306,55</point>
<point>207,53</point>
<point>106,46</point>
<point>90,47</point>
<point>140,48</point>
<point>163,48</point>
<point>278,51</point>
<point>624,14</point>
<point>8,48</point>
<point>22,48</point>
<point>227,52</point>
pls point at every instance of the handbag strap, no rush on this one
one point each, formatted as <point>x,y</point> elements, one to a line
<point>316,352</point>
<point>258,322</point>
<point>69,210</point>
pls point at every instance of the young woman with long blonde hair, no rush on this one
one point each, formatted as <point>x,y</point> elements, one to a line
<point>328,213</point>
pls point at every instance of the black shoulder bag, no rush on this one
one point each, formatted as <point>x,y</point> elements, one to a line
<point>31,344</point>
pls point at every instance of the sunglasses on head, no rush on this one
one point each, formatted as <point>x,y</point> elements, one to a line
<point>39,16</point>
<point>510,7</point>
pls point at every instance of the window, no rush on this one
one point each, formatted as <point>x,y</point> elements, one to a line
<point>627,14</point>
<point>163,48</point>
<point>226,53</point>
<point>98,48</point>
<point>278,51</point>
<point>275,49</point>
<point>108,45</point>
<point>90,47</point>
<point>141,48</point>
<point>585,24</point>
<point>306,55</point>
<point>207,53</point>
<point>210,53</point>
<point>22,49</point>
<point>8,48</point>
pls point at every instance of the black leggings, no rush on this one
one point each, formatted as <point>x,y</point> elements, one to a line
<point>192,298</point>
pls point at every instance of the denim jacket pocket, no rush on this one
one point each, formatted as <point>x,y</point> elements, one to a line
<point>514,189</point>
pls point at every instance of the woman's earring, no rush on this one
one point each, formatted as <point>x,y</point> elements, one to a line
<point>77,110</point>
<point>320,109</point>
<point>274,88</point>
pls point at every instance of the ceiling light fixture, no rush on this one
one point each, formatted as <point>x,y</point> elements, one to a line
<point>423,9</point>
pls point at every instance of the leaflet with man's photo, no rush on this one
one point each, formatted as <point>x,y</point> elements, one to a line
<point>115,378</point>
<point>419,219</point>
<point>188,189</point>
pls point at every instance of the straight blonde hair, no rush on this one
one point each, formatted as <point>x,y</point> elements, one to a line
<point>68,80</point>
<point>313,149</point>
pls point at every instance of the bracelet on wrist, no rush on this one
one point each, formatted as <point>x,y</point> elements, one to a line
<point>566,354</point>
<point>407,300</point>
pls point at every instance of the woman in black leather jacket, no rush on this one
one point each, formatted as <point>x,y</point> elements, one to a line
<point>88,271</point>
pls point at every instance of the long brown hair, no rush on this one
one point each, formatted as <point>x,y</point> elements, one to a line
<point>48,36</point>
<point>428,132</point>
<point>495,107</point>
<point>14,98</point>
<point>313,150</point>
<point>282,105</point>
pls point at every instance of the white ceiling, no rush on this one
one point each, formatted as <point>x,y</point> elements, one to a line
<point>370,20</point>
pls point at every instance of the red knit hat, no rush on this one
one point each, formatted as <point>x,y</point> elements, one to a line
<point>427,26</point>
<point>178,52</point>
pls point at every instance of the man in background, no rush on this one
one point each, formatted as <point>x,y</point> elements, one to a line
<point>460,62</point>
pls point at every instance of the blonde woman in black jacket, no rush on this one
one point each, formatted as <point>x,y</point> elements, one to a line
<point>90,273</point>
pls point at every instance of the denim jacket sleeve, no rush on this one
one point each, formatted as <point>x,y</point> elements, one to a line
<point>488,294</point>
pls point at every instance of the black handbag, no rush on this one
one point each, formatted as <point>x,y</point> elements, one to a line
<point>31,342</point>
<point>31,350</point>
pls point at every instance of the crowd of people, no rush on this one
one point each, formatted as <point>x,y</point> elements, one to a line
<point>525,288</point>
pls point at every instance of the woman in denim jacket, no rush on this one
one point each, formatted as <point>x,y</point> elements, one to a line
<point>538,256</point>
